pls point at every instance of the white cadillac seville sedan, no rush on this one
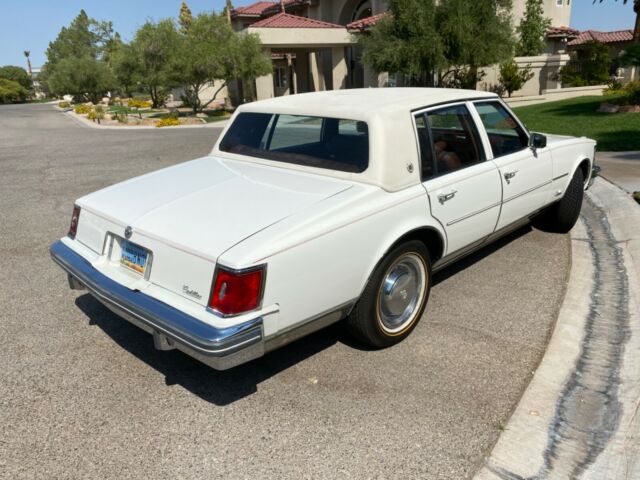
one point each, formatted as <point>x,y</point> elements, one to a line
<point>315,208</point>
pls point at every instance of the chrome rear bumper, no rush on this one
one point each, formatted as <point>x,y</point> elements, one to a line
<point>220,348</point>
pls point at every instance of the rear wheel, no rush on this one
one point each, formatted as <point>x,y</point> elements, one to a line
<point>395,297</point>
<point>563,215</point>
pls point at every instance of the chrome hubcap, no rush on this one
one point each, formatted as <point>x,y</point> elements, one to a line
<point>401,292</point>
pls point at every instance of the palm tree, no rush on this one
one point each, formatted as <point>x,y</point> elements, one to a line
<point>228,9</point>
<point>636,9</point>
<point>26,54</point>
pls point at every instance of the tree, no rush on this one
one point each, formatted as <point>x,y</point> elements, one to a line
<point>27,54</point>
<point>512,77</point>
<point>11,91</point>
<point>406,41</point>
<point>153,52</point>
<point>125,67</point>
<point>631,55</point>
<point>226,11</point>
<point>85,37</point>
<point>16,74</point>
<point>423,37</point>
<point>475,33</point>
<point>83,77</point>
<point>636,9</point>
<point>532,29</point>
<point>86,44</point>
<point>185,18</point>
<point>211,51</point>
<point>589,66</point>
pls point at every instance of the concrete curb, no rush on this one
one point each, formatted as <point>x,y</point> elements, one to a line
<point>88,123</point>
<point>579,415</point>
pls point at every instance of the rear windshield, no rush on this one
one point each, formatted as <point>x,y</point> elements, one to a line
<point>323,142</point>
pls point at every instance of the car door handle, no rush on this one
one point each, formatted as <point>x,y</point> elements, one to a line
<point>446,196</point>
<point>509,175</point>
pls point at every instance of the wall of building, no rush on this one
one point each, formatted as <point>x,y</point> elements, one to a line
<point>544,67</point>
<point>558,11</point>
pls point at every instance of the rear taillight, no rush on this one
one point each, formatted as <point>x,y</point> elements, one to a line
<point>75,218</point>
<point>237,292</point>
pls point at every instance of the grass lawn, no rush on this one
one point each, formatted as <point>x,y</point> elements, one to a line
<point>614,132</point>
<point>133,111</point>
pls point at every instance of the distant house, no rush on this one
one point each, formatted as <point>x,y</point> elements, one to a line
<point>617,41</point>
<point>312,46</point>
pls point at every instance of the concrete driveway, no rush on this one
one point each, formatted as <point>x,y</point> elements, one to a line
<point>84,394</point>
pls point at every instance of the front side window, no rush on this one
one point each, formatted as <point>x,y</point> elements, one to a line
<point>448,141</point>
<point>505,135</point>
<point>322,142</point>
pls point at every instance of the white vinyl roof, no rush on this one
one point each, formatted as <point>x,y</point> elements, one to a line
<point>362,102</point>
<point>388,113</point>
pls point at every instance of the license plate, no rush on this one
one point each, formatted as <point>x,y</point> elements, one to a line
<point>134,257</point>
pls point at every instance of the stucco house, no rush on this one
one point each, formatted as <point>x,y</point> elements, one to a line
<point>313,47</point>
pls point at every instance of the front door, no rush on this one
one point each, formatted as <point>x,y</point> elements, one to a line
<point>464,189</point>
<point>525,174</point>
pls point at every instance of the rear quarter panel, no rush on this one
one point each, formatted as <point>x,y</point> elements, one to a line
<point>322,259</point>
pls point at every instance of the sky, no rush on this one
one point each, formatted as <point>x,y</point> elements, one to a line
<point>32,24</point>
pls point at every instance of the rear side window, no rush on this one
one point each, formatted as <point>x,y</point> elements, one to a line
<point>505,135</point>
<point>322,142</point>
<point>448,141</point>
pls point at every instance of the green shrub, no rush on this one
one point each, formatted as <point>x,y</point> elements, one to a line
<point>82,109</point>
<point>168,122</point>
<point>135,103</point>
<point>96,114</point>
<point>64,104</point>
<point>589,66</point>
<point>11,91</point>
<point>512,77</point>
<point>632,92</point>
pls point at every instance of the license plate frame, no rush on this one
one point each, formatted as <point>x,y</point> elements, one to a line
<point>134,257</point>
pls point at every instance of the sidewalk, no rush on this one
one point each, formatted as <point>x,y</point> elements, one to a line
<point>579,416</point>
<point>621,168</point>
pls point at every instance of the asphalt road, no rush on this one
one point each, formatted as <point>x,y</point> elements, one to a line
<point>84,394</point>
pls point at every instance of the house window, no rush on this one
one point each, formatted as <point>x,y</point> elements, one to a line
<point>363,10</point>
<point>281,77</point>
<point>559,3</point>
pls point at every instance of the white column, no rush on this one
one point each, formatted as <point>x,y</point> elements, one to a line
<point>338,68</point>
<point>316,71</point>
<point>264,84</point>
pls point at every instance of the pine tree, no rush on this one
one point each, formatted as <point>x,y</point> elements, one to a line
<point>185,17</point>
<point>532,30</point>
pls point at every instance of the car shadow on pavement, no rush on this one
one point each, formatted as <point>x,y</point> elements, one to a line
<point>225,387</point>
<point>218,387</point>
<point>475,257</point>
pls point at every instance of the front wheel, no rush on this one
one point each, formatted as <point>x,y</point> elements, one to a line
<point>395,297</point>
<point>563,215</point>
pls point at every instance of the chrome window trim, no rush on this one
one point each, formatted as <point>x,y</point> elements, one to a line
<point>512,115</point>
<point>439,106</point>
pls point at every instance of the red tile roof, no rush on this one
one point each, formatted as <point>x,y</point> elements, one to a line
<point>562,32</point>
<point>365,23</point>
<point>285,20</point>
<point>620,36</point>
<point>255,9</point>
